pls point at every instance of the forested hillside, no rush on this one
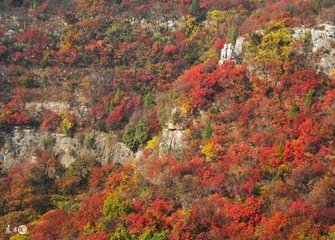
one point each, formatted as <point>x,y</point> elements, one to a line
<point>167,119</point>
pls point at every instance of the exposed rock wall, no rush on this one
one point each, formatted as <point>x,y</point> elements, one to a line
<point>23,144</point>
<point>321,37</point>
<point>172,135</point>
<point>19,144</point>
<point>36,108</point>
<point>163,22</point>
<point>54,106</point>
<point>232,51</point>
<point>172,141</point>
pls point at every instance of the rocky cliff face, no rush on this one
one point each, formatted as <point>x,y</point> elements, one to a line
<point>168,24</point>
<point>23,144</point>
<point>172,135</point>
<point>232,51</point>
<point>321,37</point>
<point>322,40</point>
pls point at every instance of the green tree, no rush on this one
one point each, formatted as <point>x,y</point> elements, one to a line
<point>232,33</point>
<point>294,110</point>
<point>121,233</point>
<point>208,131</point>
<point>110,106</point>
<point>136,136</point>
<point>114,206</point>
<point>150,235</point>
<point>317,6</point>
<point>309,98</point>
<point>141,133</point>
<point>149,100</point>
<point>195,7</point>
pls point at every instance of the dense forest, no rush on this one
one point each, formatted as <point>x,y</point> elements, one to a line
<point>133,127</point>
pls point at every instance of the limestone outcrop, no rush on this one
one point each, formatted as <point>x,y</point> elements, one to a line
<point>322,36</point>
<point>322,40</point>
<point>24,144</point>
<point>232,51</point>
<point>35,108</point>
<point>172,135</point>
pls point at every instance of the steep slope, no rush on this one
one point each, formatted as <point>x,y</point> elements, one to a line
<point>120,119</point>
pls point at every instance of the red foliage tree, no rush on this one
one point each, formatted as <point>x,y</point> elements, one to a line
<point>54,224</point>
<point>35,42</point>
<point>50,120</point>
<point>170,49</point>
<point>90,211</point>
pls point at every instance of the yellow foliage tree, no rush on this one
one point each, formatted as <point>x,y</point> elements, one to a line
<point>217,16</point>
<point>274,45</point>
<point>185,109</point>
<point>153,143</point>
<point>190,27</point>
<point>91,7</point>
<point>209,151</point>
<point>66,125</point>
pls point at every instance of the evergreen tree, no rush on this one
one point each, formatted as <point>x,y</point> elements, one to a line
<point>232,33</point>
<point>195,7</point>
<point>149,100</point>
<point>317,6</point>
<point>208,132</point>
